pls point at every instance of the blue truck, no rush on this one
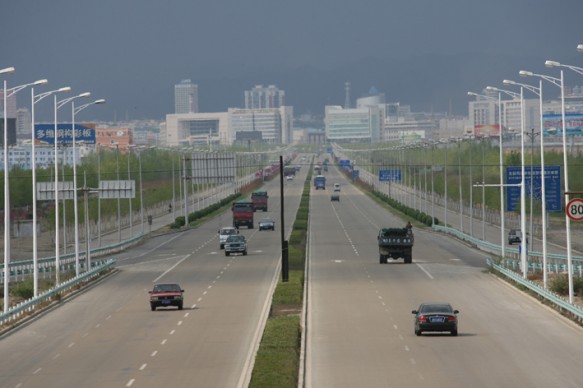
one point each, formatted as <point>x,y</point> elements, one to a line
<point>320,182</point>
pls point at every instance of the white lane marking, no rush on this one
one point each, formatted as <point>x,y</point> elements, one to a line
<point>199,299</point>
<point>154,353</point>
<point>406,348</point>
<point>143,366</point>
<point>186,315</point>
<point>97,326</point>
<point>163,341</point>
<point>412,360</point>
<point>108,317</point>
<point>37,371</point>
<point>395,327</point>
<point>56,356</point>
<point>424,270</point>
<point>179,323</point>
<point>193,306</point>
<point>172,332</point>
<point>130,383</point>
<point>71,345</point>
<point>18,385</point>
<point>171,268</point>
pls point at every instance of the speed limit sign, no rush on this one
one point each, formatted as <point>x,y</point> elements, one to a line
<point>575,209</point>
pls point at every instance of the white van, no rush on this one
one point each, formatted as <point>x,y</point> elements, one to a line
<point>336,186</point>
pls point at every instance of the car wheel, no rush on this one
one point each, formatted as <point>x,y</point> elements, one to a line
<point>180,306</point>
<point>417,332</point>
<point>152,307</point>
<point>222,246</point>
<point>454,332</point>
<point>227,253</point>
<point>244,253</point>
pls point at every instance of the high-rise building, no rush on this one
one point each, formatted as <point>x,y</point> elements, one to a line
<point>23,124</point>
<point>186,97</point>
<point>261,97</point>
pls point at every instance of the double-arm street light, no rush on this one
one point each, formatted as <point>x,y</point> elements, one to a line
<point>74,111</point>
<point>8,93</point>
<point>559,82</point>
<point>539,92</point>
<point>35,99</point>
<point>57,105</point>
<point>501,161</point>
<point>523,243</point>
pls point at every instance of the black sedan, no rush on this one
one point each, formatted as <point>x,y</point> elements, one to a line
<point>266,224</point>
<point>435,317</point>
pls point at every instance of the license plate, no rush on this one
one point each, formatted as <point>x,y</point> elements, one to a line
<point>437,319</point>
<point>166,302</point>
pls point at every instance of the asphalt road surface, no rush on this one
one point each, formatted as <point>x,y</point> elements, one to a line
<point>108,337</point>
<point>360,326</point>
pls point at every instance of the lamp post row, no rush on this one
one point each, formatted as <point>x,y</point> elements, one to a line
<point>7,246</point>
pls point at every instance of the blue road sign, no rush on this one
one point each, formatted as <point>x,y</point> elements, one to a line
<point>390,175</point>
<point>355,174</point>
<point>344,163</point>
<point>552,186</point>
<point>45,133</point>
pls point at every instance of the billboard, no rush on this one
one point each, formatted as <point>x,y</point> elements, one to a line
<point>553,124</point>
<point>487,130</point>
<point>552,186</point>
<point>45,134</point>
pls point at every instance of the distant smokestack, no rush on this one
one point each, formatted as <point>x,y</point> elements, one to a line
<point>347,95</point>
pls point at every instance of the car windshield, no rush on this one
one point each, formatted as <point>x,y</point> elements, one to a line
<point>228,231</point>
<point>266,221</point>
<point>236,239</point>
<point>436,308</point>
<point>167,288</point>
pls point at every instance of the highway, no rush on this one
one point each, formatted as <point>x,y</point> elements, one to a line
<point>359,321</point>
<point>108,337</point>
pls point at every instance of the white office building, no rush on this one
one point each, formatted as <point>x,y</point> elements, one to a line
<point>186,97</point>
<point>261,97</point>
<point>269,125</point>
<point>21,156</point>
<point>189,129</point>
<point>362,124</point>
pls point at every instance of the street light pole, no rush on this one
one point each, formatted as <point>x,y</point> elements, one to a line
<point>34,100</point>
<point>560,83</point>
<point>74,111</point>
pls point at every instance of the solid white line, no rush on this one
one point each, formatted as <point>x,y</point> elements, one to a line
<point>424,270</point>
<point>171,268</point>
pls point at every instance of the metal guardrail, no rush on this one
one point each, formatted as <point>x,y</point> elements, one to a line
<point>546,294</point>
<point>495,249</point>
<point>67,262</point>
<point>28,306</point>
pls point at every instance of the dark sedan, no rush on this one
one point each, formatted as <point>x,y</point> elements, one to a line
<point>435,317</point>
<point>266,224</point>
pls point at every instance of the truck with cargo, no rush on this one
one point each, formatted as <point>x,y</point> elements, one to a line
<point>320,182</point>
<point>395,243</point>
<point>259,199</point>
<point>242,214</point>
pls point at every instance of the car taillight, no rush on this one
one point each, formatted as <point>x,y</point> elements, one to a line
<point>422,318</point>
<point>452,318</point>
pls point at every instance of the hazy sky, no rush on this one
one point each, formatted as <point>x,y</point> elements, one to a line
<point>424,53</point>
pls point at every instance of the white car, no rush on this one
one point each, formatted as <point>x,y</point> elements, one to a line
<point>224,234</point>
<point>289,177</point>
<point>336,186</point>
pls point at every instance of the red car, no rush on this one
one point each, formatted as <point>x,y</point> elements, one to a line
<point>167,294</point>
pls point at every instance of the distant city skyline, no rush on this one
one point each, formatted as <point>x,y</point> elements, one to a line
<point>421,53</point>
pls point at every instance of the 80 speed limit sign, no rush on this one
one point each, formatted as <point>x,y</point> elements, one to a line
<point>575,209</point>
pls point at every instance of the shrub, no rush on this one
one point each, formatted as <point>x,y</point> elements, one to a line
<point>559,284</point>
<point>24,289</point>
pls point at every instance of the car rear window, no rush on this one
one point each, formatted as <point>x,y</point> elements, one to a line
<point>436,308</point>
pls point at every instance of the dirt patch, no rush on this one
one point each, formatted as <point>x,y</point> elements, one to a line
<point>285,309</point>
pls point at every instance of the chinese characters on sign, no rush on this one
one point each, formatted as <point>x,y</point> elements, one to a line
<point>45,133</point>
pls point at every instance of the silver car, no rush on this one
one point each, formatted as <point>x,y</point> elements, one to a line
<point>236,244</point>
